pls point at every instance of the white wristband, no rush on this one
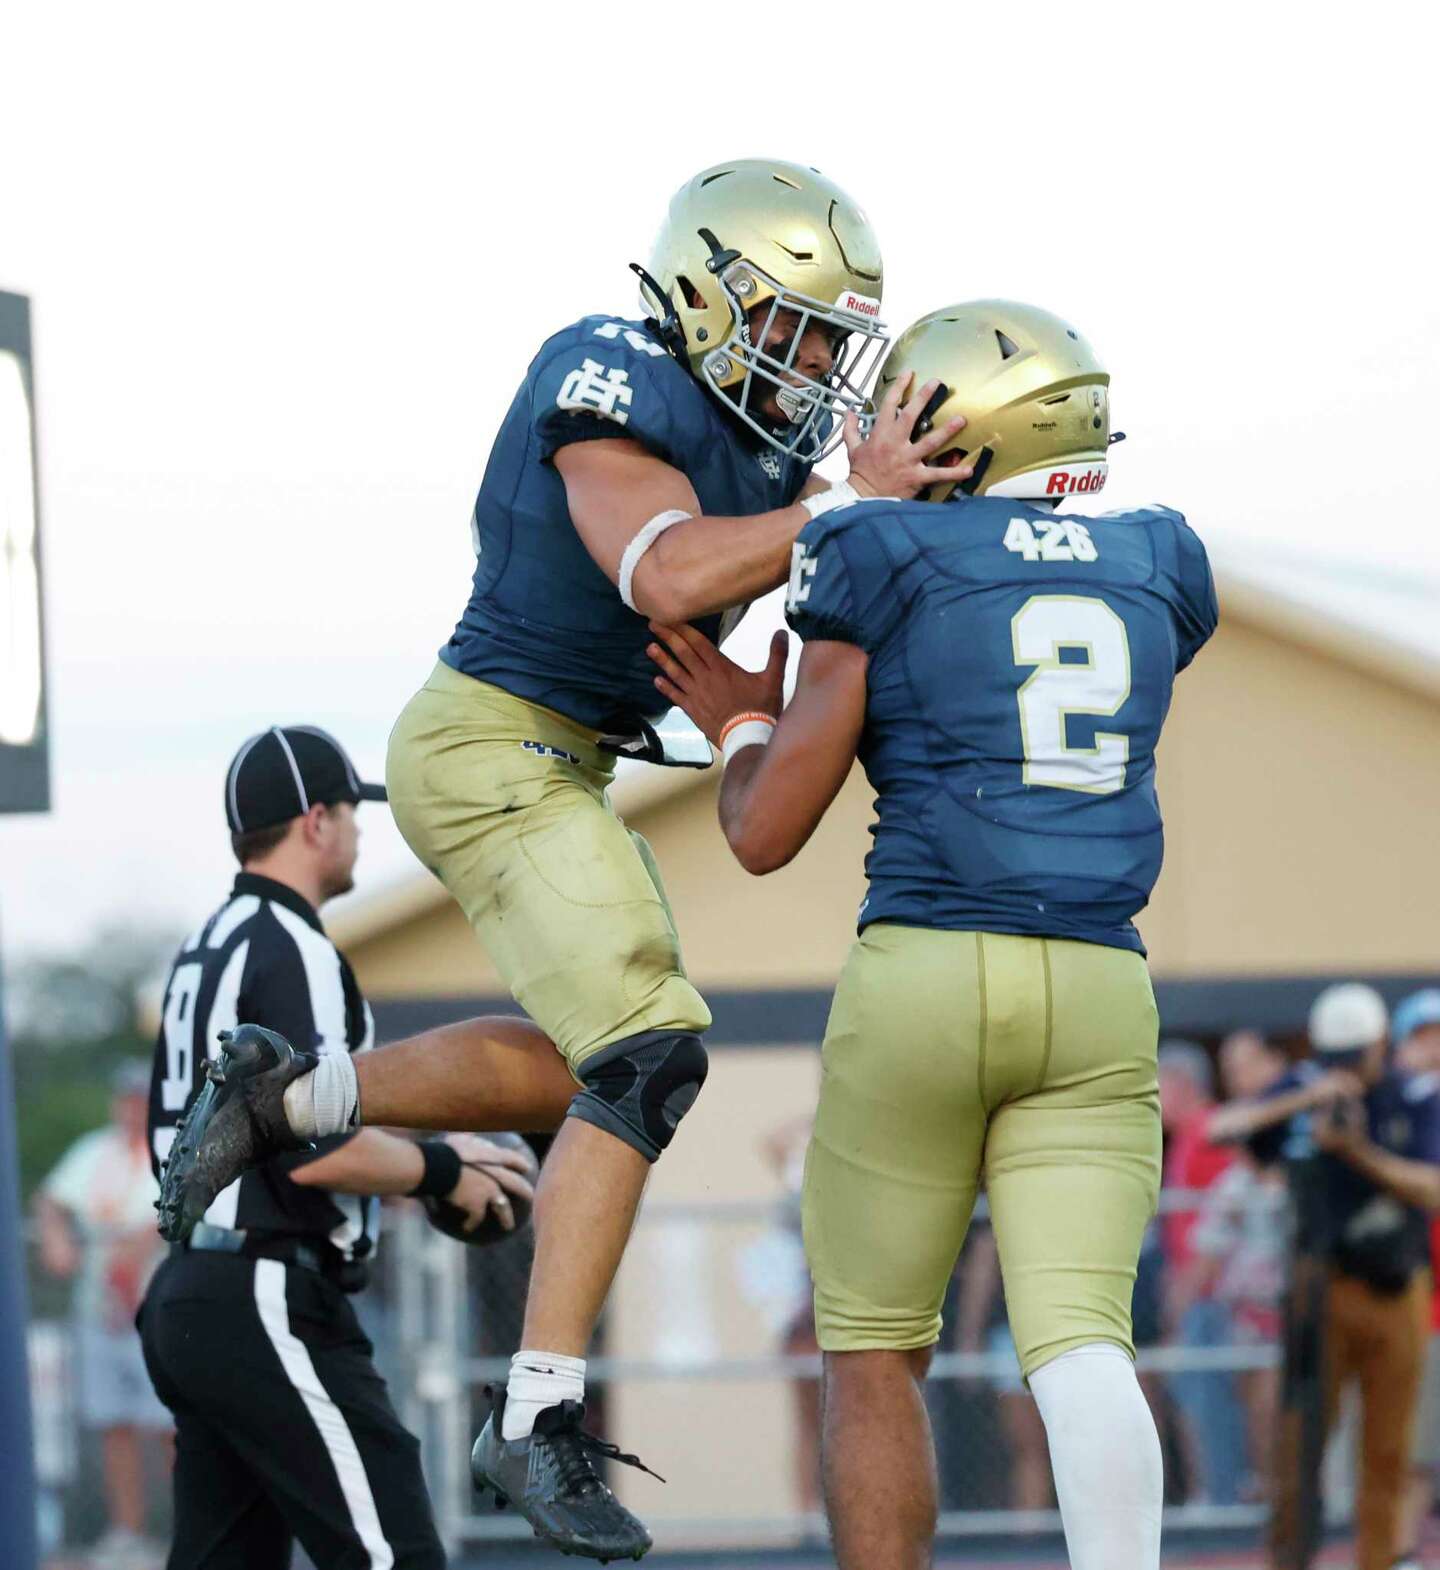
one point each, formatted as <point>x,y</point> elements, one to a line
<point>840,495</point>
<point>749,732</point>
<point>642,543</point>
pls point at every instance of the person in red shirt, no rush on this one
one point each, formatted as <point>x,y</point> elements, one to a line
<point>1187,1096</point>
<point>1212,1421</point>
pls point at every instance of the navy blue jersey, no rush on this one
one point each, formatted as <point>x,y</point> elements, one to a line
<point>544,622</point>
<point>1021,664</point>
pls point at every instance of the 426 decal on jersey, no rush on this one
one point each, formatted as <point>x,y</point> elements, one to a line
<point>1050,539</point>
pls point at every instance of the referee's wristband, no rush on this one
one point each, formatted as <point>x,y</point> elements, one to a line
<point>750,728</point>
<point>443,1169</point>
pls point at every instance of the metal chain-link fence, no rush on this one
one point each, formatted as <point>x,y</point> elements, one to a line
<point>706,1365</point>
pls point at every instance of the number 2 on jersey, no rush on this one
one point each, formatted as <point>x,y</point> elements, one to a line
<point>1099,683</point>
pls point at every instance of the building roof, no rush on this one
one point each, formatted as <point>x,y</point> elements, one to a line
<point>1372,617</point>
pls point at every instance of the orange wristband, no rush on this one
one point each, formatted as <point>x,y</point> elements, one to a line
<point>748,729</point>
<point>740,719</point>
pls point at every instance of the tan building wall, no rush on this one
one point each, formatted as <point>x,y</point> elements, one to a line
<point>693,1291</point>
<point>1299,794</point>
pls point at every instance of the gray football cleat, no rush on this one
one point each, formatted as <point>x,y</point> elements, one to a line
<point>237,1121</point>
<point>550,1478</point>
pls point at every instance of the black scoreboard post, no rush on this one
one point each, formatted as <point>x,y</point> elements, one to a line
<point>24,755</point>
<point>24,787</point>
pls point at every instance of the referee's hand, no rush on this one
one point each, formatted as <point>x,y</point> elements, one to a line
<point>486,1189</point>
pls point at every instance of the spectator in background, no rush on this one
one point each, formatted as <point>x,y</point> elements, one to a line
<point>1194,1317</point>
<point>1378,1134</point>
<point>1249,1065</point>
<point>96,1219</point>
<point>1415,1034</point>
<point>1244,1229</point>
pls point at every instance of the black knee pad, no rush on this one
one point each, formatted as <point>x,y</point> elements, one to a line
<point>638,1089</point>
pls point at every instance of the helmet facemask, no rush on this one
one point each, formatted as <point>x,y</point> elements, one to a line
<point>814,408</point>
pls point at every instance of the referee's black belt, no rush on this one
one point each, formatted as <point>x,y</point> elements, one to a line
<point>348,1275</point>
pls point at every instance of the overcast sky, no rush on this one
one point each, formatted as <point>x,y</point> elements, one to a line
<point>289,262</point>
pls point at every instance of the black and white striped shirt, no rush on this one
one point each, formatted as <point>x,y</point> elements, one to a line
<point>262,959</point>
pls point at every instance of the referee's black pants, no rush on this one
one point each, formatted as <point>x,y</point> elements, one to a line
<point>283,1427</point>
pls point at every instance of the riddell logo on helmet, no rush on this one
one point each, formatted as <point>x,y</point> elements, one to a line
<point>861,304</point>
<point>1063,483</point>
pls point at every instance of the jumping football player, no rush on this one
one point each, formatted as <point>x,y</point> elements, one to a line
<point>646,468</point>
<point>1003,669</point>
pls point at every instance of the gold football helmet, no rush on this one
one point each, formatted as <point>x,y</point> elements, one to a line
<point>759,231</point>
<point>1036,400</point>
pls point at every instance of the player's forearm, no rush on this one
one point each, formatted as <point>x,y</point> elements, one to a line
<point>745,831</point>
<point>773,797</point>
<point>373,1162</point>
<point>643,525</point>
<point>709,564</point>
<point>771,802</point>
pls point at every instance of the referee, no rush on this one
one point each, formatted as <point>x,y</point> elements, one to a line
<point>284,1428</point>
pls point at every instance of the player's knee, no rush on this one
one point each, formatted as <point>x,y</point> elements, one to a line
<point>1101,1341</point>
<point>638,1089</point>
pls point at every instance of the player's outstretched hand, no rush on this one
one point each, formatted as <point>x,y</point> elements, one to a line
<point>891,460</point>
<point>492,1174</point>
<point>710,687</point>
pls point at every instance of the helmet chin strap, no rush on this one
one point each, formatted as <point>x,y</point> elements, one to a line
<point>971,486</point>
<point>668,325</point>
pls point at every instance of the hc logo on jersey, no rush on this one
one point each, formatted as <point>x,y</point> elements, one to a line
<point>770,463</point>
<point>595,390</point>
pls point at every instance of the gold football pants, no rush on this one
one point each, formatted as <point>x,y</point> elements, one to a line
<point>506,803</point>
<point>954,1059</point>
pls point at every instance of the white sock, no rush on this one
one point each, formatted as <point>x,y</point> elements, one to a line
<point>538,1380</point>
<point>1105,1454</point>
<point>326,1100</point>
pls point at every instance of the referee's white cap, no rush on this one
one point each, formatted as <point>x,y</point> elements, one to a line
<point>1346,1017</point>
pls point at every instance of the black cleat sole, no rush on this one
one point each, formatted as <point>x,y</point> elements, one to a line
<point>175,1223</point>
<point>195,1172</point>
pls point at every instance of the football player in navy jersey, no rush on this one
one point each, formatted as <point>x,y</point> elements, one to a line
<point>1002,668</point>
<point>657,467</point>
